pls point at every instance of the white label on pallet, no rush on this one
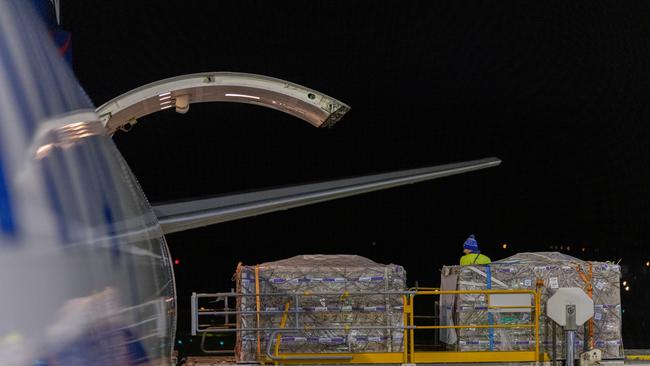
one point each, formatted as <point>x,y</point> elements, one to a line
<point>598,316</point>
<point>600,285</point>
<point>553,282</point>
<point>528,283</point>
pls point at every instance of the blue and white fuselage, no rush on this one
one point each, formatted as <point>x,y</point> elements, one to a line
<point>84,267</point>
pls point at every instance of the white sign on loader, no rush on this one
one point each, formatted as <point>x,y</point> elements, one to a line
<point>570,307</point>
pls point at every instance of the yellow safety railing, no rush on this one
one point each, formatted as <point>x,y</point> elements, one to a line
<point>283,323</point>
<point>410,355</point>
<point>473,356</point>
<point>407,355</point>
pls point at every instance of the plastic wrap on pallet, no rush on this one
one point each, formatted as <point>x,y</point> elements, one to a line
<point>347,311</point>
<point>448,282</point>
<point>522,271</point>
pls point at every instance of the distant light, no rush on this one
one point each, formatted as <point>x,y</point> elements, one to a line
<point>584,249</point>
<point>243,96</point>
<point>167,106</point>
<point>177,261</point>
<point>647,264</point>
<point>504,246</point>
<point>163,94</point>
<point>180,342</point>
<point>221,343</point>
<point>568,248</point>
<point>624,283</point>
<point>627,288</point>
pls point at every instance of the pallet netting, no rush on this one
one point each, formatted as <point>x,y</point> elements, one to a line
<point>275,287</point>
<point>599,280</point>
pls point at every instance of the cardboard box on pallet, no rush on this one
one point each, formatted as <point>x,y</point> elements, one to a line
<point>346,311</point>
<point>522,271</point>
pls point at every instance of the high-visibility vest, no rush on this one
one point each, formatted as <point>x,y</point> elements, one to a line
<point>474,258</point>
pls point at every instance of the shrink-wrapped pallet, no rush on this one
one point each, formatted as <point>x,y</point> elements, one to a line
<point>522,271</point>
<point>346,311</point>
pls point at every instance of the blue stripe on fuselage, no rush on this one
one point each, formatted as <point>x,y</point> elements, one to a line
<point>112,233</point>
<point>7,223</point>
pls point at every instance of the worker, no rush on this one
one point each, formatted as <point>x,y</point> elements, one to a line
<point>472,254</point>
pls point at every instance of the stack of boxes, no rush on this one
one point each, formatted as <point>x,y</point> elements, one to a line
<point>522,271</point>
<point>346,311</point>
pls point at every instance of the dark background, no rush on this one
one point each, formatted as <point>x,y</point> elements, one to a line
<point>558,91</point>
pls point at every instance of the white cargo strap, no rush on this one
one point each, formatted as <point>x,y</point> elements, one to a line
<point>494,280</point>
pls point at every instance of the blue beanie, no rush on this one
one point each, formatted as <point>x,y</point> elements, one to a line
<point>471,244</point>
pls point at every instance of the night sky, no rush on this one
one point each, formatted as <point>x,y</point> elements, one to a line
<point>558,92</point>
